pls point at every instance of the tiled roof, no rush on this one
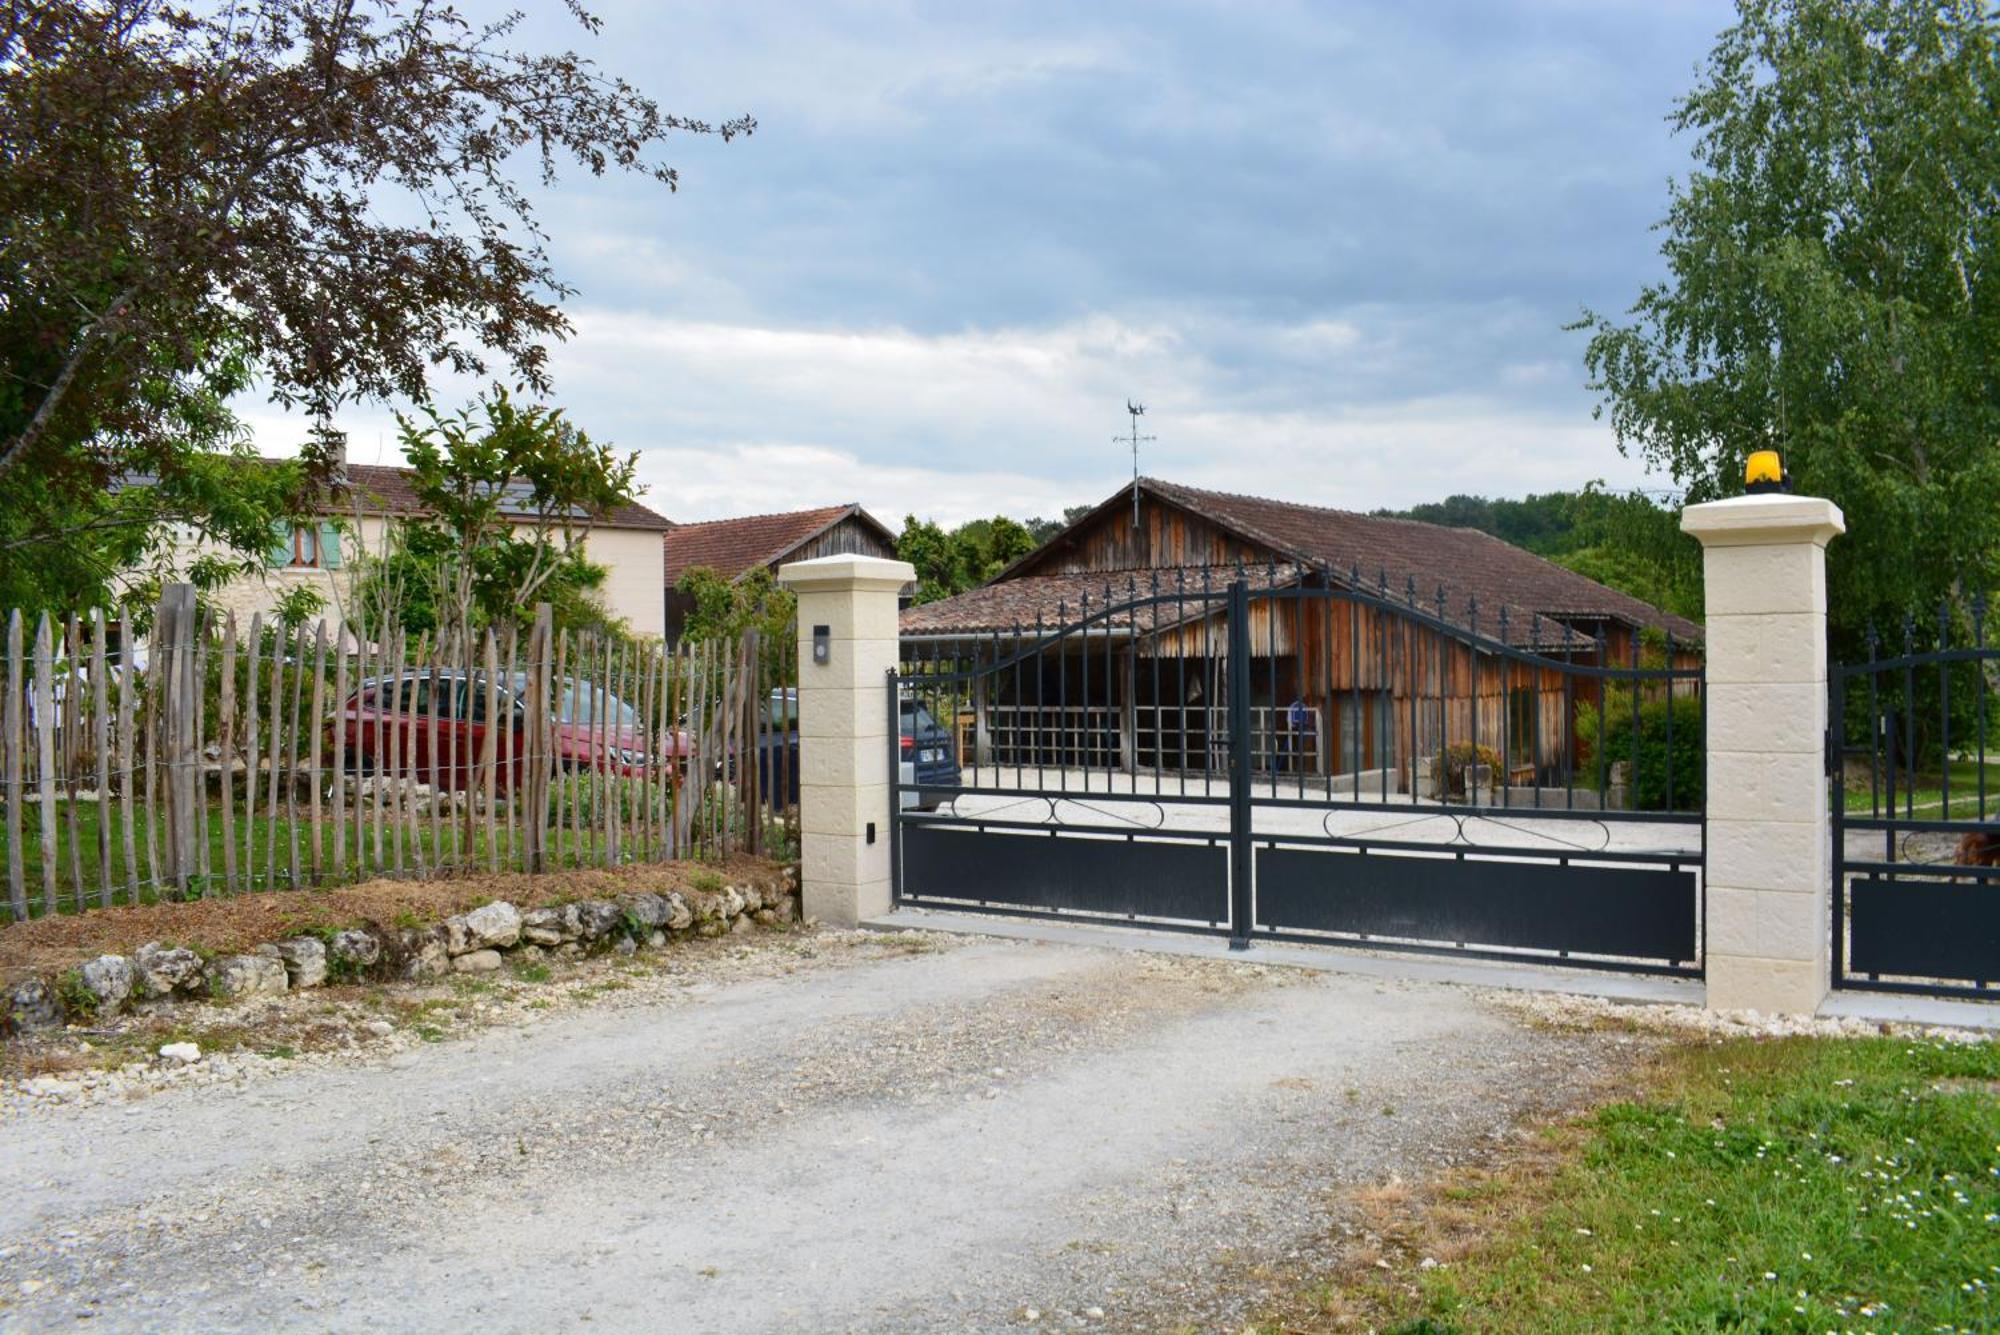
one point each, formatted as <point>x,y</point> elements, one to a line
<point>1058,600</point>
<point>1186,594</point>
<point>385,489</point>
<point>732,546</point>
<point>1397,553</point>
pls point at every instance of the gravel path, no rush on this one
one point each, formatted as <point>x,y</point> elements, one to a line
<point>983,1135</point>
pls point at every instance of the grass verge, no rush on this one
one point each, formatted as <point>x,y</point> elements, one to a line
<point>1797,1184</point>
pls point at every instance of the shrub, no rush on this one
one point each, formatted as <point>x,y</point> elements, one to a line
<point>1656,762</point>
<point>1451,767</point>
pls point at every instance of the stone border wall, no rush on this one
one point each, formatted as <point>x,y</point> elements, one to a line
<point>479,941</point>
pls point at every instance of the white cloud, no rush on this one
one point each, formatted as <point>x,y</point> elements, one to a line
<point>1018,421</point>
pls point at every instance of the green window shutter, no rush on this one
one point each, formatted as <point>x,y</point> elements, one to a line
<point>329,545</point>
<point>281,545</point>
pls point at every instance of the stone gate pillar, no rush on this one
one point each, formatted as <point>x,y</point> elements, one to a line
<point>1769,934</point>
<point>847,606</point>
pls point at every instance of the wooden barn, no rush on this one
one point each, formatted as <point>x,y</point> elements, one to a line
<point>734,547</point>
<point>1374,644</point>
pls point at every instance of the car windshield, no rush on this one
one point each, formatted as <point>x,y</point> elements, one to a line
<point>584,702</point>
<point>918,719</point>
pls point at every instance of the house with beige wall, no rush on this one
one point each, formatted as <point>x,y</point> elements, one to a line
<point>323,554</point>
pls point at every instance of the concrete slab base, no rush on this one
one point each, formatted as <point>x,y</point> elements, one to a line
<point>1944,1012</point>
<point>1331,959</point>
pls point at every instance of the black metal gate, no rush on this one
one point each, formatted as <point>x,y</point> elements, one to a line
<point>1292,754</point>
<point>1916,814</point>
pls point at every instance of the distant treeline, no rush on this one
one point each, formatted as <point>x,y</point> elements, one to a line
<point>1625,540</point>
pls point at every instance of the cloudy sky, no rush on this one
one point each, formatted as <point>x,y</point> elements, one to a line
<point>1330,247</point>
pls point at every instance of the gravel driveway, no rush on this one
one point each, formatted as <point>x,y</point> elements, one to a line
<point>976,1134</point>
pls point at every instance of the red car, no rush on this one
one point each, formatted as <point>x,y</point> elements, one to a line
<point>386,728</point>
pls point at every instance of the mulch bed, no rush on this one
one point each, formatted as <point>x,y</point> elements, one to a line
<point>42,945</point>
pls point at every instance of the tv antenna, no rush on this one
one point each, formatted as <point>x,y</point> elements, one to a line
<point>1137,410</point>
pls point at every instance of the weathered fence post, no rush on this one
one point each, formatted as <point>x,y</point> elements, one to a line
<point>1768,931</point>
<point>844,817</point>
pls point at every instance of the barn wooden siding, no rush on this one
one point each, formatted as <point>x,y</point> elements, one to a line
<point>1165,538</point>
<point>850,537</point>
<point>1335,649</point>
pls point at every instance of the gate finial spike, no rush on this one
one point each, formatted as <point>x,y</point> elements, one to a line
<point>1909,632</point>
<point>1944,624</point>
<point>1410,589</point>
<point>1503,625</point>
<point>1979,620</point>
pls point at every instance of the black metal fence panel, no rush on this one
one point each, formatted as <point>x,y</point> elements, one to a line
<point>1127,879</point>
<point>1271,705</point>
<point>1916,811</point>
<point>1626,917</point>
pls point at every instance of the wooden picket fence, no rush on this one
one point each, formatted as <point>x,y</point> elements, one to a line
<point>210,757</point>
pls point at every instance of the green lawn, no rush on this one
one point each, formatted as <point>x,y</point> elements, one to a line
<point>1925,797</point>
<point>1799,1184</point>
<point>422,849</point>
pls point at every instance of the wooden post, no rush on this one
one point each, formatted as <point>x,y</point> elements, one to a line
<point>72,711</point>
<point>17,685</point>
<point>275,757</point>
<point>314,722</point>
<point>490,750</point>
<point>510,761</point>
<point>440,781</point>
<point>337,728</point>
<point>128,753</point>
<point>198,750</point>
<point>45,759</point>
<point>226,746</point>
<point>534,813</point>
<point>187,761</point>
<point>251,752</point>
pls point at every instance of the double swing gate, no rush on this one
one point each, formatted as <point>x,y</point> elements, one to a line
<point>1280,753</point>
<point>1916,813</point>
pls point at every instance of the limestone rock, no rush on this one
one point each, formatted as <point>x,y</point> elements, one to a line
<point>765,918</point>
<point>304,958</point>
<point>32,1005</point>
<point>553,926</point>
<point>424,955</point>
<point>753,899</point>
<point>109,979</point>
<point>679,916</point>
<point>161,971</point>
<point>356,949</point>
<point>732,902</point>
<point>648,910</point>
<point>493,926</point>
<point>457,936</point>
<point>596,919</point>
<point>241,976</point>
<point>477,961</point>
<point>180,1054</point>
<point>626,946</point>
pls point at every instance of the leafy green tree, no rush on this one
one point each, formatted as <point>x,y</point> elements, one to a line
<point>725,609</point>
<point>322,199</point>
<point>1831,291</point>
<point>508,493</point>
<point>1624,540</point>
<point>928,548</point>
<point>966,557</point>
<point>1041,530</point>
